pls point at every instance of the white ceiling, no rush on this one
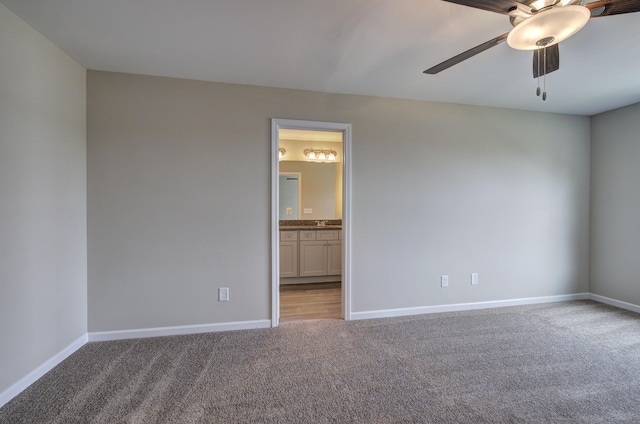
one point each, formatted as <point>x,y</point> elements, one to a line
<point>370,47</point>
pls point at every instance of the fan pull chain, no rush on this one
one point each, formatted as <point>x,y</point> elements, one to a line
<point>538,89</point>
<point>544,76</point>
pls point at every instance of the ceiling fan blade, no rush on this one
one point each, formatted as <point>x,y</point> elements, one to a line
<point>497,6</point>
<point>552,61</point>
<point>613,7</point>
<point>466,55</point>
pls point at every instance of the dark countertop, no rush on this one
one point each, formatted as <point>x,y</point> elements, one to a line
<point>309,227</point>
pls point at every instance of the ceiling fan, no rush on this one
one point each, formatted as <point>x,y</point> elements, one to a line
<point>539,25</point>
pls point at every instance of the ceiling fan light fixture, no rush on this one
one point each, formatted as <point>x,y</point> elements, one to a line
<point>555,24</point>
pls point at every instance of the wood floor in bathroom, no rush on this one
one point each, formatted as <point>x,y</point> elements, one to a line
<point>310,301</point>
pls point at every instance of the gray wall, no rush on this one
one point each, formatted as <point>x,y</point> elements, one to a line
<point>437,189</point>
<point>43,248</point>
<point>615,202</point>
<point>499,192</point>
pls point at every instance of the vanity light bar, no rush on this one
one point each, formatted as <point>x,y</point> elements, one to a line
<point>320,154</point>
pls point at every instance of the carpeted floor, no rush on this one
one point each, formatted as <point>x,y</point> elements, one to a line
<point>572,362</point>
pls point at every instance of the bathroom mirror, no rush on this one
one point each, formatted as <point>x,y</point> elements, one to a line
<point>318,190</point>
<point>320,179</point>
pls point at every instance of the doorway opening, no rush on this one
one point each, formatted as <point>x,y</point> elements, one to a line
<point>310,224</point>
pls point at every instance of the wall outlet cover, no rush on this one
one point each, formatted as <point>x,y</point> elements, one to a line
<point>444,281</point>
<point>223,294</point>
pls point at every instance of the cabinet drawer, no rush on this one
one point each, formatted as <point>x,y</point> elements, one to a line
<point>288,235</point>
<point>327,235</point>
<point>307,235</point>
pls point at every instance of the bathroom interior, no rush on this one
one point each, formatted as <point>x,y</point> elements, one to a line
<point>310,223</point>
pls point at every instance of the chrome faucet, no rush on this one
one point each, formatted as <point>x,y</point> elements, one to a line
<point>321,223</point>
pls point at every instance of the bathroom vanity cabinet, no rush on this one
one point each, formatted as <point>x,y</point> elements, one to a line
<point>318,254</point>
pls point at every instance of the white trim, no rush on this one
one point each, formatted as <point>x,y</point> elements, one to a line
<point>346,224</point>
<point>44,368</point>
<point>387,313</point>
<point>276,124</point>
<point>614,302</point>
<point>275,217</point>
<point>102,336</point>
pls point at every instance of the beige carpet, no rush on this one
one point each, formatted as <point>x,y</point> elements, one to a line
<point>573,362</point>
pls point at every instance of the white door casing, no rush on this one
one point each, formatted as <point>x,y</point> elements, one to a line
<point>276,125</point>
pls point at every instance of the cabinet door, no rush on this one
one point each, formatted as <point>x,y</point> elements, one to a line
<point>288,259</point>
<point>313,258</point>
<point>334,257</point>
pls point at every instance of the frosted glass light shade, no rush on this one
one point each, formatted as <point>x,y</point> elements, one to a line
<point>556,24</point>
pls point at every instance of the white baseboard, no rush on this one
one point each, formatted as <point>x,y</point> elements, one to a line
<point>47,366</point>
<point>614,302</point>
<point>101,336</point>
<point>387,313</point>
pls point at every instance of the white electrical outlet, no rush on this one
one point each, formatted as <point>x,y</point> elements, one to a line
<point>223,294</point>
<point>444,281</point>
<point>474,278</point>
